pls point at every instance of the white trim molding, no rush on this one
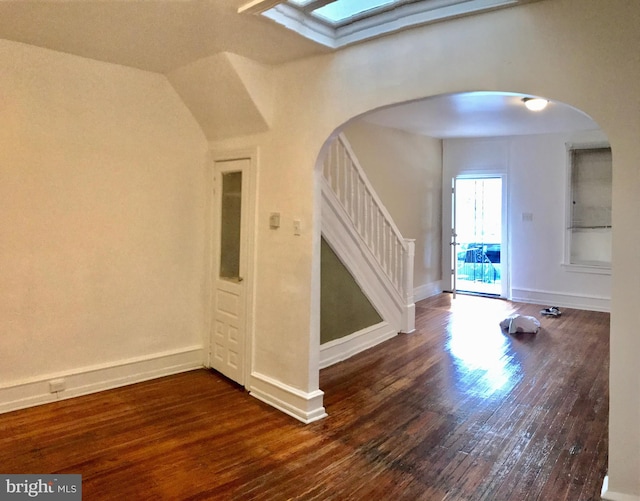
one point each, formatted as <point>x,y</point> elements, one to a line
<point>565,299</point>
<point>581,268</point>
<point>341,349</point>
<point>425,291</point>
<point>92,379</point>
<point>301,405</point>
<point>615,496</point>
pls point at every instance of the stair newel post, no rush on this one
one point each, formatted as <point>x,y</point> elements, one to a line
<point>409,321</point>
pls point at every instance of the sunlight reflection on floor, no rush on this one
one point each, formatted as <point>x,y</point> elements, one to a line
<point>483,358</point>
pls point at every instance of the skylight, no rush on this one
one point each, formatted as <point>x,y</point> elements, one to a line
<point>337,23</point>
<point>342,11</point>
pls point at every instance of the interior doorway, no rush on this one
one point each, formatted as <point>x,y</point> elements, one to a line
<point>477,235</point>
<point>232,270</point>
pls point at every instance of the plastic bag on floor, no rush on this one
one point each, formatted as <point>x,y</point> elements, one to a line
<point>520,323</point>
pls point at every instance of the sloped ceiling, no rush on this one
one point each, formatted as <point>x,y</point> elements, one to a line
<point>153,35</point>
<point>228,95</point>
<point>216,59</point>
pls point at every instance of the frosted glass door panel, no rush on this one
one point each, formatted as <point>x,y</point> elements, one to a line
<point>230,225</point>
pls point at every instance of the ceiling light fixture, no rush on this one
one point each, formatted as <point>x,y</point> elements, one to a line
<point>535,103</point>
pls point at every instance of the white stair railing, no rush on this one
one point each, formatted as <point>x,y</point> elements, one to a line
<point>394,254</point>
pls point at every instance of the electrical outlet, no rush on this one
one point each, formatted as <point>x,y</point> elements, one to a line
<point>56,385</point>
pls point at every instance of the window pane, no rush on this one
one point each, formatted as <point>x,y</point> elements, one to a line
<point>230,225</point>
<point>591,193</point>
<point>342,10</point>
<point>591,247</point>
<point>591,183</point>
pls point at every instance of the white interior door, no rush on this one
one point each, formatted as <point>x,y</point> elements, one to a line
<point>228,336</point>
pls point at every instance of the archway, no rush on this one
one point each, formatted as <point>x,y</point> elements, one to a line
<point>517,51</point>
<point>547,151</point>
<point>412,151</point>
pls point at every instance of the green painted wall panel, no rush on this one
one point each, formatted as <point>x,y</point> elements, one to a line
<point>344,309</point>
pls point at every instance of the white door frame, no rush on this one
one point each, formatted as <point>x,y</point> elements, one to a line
<point>249,274</point>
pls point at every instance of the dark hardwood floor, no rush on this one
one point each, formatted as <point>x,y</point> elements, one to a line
<point>456,411</point>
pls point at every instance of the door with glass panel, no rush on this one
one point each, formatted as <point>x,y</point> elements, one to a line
<point>227,351</point>
<point>477,235</point>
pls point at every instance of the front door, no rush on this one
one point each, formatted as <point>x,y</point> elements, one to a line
<point>227,351</point>
<point>477,232</point>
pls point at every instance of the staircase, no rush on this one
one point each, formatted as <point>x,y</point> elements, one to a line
<point>360,230</point>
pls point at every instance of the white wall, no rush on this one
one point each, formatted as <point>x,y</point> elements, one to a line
<point>516,50</point>
<point>406,171</point>
<point>102,237</point>
<point>536,175</point>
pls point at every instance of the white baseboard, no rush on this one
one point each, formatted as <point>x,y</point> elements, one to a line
<point>305,407</point>
<point>86,380</point>
<point>615,496</point>
<point>340,349</point>
<point>563,299</point>
<point>427,290</point>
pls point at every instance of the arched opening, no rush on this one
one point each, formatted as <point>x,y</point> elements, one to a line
<point>410,154</point>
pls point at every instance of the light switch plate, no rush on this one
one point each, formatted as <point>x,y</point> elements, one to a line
<point>274,220</point>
